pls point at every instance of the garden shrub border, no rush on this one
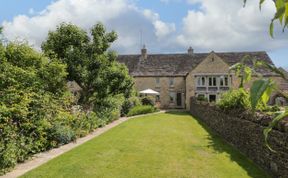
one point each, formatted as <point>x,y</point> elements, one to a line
<point>246,134</point>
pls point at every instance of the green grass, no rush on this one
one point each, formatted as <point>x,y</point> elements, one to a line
<point>171,145</point>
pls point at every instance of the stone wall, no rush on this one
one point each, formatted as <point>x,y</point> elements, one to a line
<point>246,134</point>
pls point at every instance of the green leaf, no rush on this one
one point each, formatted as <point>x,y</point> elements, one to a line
<point>260,91</point>
<point>247,74</point>
<point>260,3</point>
<point>271,29</point>
<point>272,124</point>
<point>280,12</point>
<point>244,3</point>
<point>280,6</point>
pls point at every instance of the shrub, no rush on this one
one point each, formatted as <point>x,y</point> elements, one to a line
<point>108,109</point>
<point>61,134</point>
<point>148,100</point>
<point>128,104</point>
<point>274,108</point>
<point>137,110</point>
<point>234,99</point>
<point>202,98</point>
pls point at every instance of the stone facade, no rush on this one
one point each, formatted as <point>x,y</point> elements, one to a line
<point>162,85</point>
<point>246,134</point>
<point>192,74</point>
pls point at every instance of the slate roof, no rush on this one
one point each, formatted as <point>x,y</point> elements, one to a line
<point>182,64</point>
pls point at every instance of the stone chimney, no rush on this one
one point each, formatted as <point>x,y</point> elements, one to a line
<point>144,52</point>
<point>190,51</point>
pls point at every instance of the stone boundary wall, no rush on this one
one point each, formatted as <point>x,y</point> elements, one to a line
<point>246,134</point>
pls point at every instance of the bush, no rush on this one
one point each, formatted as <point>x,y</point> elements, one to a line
<point>61,134</point>
<point>274,108</point>
<point>148,100</point>
<point>128,104</point>
<point>108,109</point>
<point>202,98</point>
<point>234,100</point>
<point>137,110</point>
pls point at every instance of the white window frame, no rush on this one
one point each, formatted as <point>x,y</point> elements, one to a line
<point>200,81</point>
<point>212,81</point>
<point>225,81</point>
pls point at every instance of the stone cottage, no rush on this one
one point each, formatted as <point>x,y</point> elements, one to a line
<point>178,77</point>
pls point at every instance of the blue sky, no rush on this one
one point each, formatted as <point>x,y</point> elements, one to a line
<point>168,25</point>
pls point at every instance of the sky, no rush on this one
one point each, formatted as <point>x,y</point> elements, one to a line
<point>164,26</point>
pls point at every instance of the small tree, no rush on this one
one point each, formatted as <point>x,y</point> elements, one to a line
<point>89,62</point>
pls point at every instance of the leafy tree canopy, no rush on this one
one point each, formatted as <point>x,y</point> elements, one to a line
<point>89,62</point>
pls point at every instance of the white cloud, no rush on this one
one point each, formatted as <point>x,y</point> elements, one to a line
<point>118,15</point>
<point>229,26</point>
<point>214,26</point>
<point>162,29</point>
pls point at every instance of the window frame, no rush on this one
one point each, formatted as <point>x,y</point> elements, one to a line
<point>172,97</point>
<point>171,81</point>
<point>224,80</point>
<point>157,81</point>
<point>200,81</point>
<point>213,80</point>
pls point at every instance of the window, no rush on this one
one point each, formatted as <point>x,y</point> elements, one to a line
<point>201,81</point>
<point>212,98</point>
<point>224,81</point>
<point>157,98</point>
<point>171,81</point>
<point>157,80</point>
<point>172,96</point>
<point>212,82</point>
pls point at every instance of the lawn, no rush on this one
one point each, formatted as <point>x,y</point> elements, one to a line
<point>170,145</point>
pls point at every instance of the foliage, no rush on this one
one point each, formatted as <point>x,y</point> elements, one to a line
<point>144,109</point>
<point>202,98</point>
<point>260,92</point>
<point>273,109</point>
<point>272,125</point>
<point>234,99</point>
<point>28,101</point>
<point>108,109</point>
<point>94,69</point>
<point>281,14</point>
<point>61,134</point>
<point>243,71</point>
<point>148,100</point>
<point>128,104</point>
<point>37,112</point>
<point>35,106</point>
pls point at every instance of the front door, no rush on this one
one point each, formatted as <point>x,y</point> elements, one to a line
<point>179,99</point>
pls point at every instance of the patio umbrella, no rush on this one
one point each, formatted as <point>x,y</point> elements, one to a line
<point>149,91</point>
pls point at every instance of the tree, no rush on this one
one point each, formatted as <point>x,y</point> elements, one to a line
<point>281,14</point>
<point>33,94</point>
<point>89,62</point>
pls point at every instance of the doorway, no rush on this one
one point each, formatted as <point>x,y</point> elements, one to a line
<point>179,99</point>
